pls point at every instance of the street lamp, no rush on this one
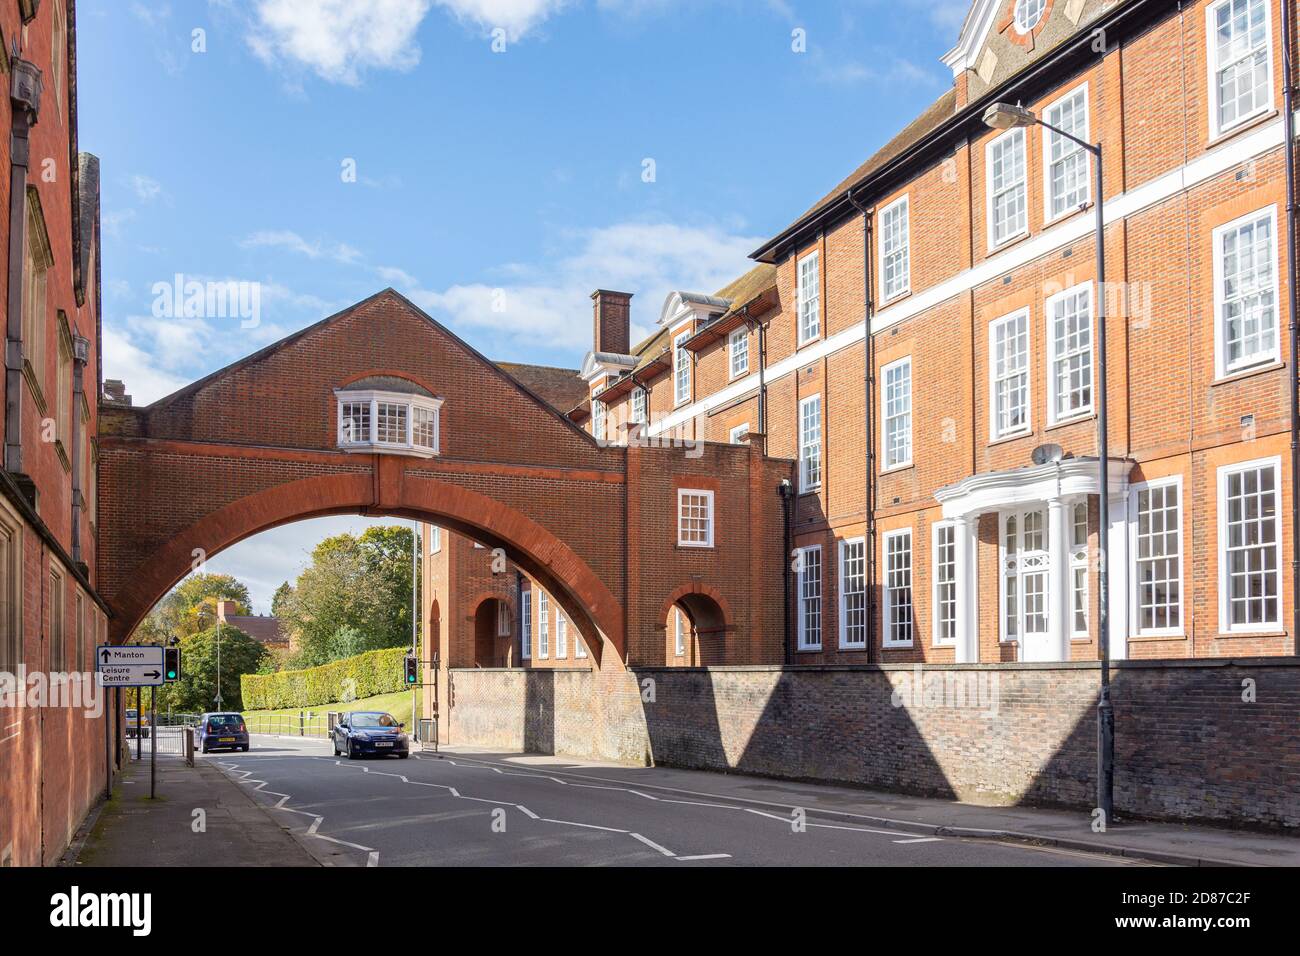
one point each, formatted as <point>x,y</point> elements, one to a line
<point>1008,116</point>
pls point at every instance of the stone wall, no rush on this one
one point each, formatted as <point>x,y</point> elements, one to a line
<point>1208,740</point>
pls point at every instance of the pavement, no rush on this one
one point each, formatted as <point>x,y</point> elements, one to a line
<point>200,817</point>
<point>466,807</point>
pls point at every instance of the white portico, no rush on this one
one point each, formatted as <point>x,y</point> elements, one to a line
<point>1045,563</point>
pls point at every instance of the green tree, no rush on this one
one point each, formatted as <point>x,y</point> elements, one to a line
<point>194,692</point>
<point>191,607</point>
<point>280,600</point>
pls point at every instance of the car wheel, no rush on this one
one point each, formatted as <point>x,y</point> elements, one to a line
<point>403,756</point>
<point>245,748</point>
<point>352,752</point>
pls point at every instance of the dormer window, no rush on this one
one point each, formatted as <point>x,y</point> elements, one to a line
<point>400,418</point>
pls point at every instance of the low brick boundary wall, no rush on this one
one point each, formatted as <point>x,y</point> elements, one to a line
<point>1212,740</point>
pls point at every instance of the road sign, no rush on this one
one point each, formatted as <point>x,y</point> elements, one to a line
<point>129,665</point>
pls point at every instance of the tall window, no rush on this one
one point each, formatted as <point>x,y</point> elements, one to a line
<point>1158,554</point>
<point>945,583</point>
<point>739,434</point>
<point>1240,61</point>
<point>898,413</point>
<point>738,350</point>
<point>694,518</point>
<point>561,634</point>
<point>638,405</point>
<point>579,645</point>
<point>1009,371</point>
<point>79,657</point>
<point>1249,547</point>
<point>1079,569</point>
<point>810,443</point>
<point>58,640</point>
<point>898,588</point>
<point>503,619</point>
<point>1066,161</point>
<point>1069,338</point>
<point>526,622</point>
<point>63,388</point>
<point>853,593</point>
<point>598,420</point>
<point>435,539</point>
<point>809,298</point>
<point>1026,566</point>
<point>10,589</point>
<point>681,370</point>
<point>895,271</point>
<point>391,423</point>
<point>543,624</point>
<point>36,263</point>
<point>1245,292</point>
<point>1008,216</point>
<point>680,629</point>
<point>808,563</point>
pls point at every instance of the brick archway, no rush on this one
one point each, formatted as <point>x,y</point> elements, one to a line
<point>682,596</point>
<point>589,603</point>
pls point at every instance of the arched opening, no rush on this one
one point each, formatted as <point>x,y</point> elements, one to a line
<point>695,629</point>
<point>492,637</point>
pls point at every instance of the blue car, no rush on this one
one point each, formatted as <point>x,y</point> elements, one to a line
<point>224,731</point>
<point>369,732</point>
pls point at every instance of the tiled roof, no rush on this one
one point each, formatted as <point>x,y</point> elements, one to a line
<point>260,627</point>
<point>561,388</point>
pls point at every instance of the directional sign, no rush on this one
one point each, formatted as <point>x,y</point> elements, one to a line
<point>129,665</point>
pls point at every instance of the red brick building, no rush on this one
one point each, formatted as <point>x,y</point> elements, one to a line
<point>53,750</point>
<point>922,529</point>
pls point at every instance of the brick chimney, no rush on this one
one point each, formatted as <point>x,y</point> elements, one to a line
<point>613,321</point>
<point>224,608</point>
<point>115,391</point>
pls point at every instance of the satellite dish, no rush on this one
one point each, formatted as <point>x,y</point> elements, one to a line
<point>1047,454</point>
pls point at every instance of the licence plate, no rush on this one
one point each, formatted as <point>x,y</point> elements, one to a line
<point>383,743</point>
<point>225,740</point>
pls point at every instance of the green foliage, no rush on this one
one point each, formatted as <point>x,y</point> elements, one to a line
<point>365,675</point>
<point>194,692</point>
<point>279,601</point>
<point>354,596</point>
<point>191,607</point>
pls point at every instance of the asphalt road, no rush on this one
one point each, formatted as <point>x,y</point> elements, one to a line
<point>475,810</point>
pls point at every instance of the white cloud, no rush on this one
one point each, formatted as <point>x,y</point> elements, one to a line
<point>146,187</point>
<point>338,39</point>
<point>293,242</point>
<point>516,17</point>
<point>145,380</point>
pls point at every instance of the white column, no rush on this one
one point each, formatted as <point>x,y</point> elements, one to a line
<point>1058,618</point>
<point>967,650</point>
<point>1120,566</point>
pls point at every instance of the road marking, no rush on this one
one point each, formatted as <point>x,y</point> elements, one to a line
<point>705,856</point>
<point>921,840</point>
<point>652,844</point>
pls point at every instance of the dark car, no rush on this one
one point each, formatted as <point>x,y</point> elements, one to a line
<point>365,732</point>
<point>224,731</point>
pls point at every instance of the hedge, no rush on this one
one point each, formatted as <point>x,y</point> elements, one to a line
<point>372,673</point>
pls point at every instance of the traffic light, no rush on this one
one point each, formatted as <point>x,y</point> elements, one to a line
<point>412,670</point>
<point>171,664</point>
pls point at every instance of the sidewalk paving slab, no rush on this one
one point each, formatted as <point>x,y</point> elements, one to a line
<point>133,830</point>
<point>1160,842</point>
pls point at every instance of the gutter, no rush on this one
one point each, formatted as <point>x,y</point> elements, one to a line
<point>868,385</point>
<point>1288,129</point>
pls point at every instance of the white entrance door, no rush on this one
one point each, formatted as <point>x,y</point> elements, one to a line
<point>1026,576</point>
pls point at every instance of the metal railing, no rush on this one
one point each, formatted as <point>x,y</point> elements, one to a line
<point>293,725</point>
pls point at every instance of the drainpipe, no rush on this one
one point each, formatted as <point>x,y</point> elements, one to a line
<point>1288,130</point>
<point>80,356</point>
<point>786,491</point>
<point>868,381</point>
<point>25,96</point>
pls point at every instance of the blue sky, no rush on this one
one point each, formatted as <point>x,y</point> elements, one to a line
<point>477,173</point>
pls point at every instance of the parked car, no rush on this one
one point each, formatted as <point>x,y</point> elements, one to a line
<point>137,723</point>
<point>223,731</point>
<point>363,732</point>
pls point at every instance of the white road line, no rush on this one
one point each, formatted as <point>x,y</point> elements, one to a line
<point>921,840</point>
<point>705,856</point>
<point>652,844</point>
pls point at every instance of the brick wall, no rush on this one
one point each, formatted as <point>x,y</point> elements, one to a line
<point>1191,744</point>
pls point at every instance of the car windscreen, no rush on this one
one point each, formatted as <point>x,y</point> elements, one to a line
<point>373,720</point>
<point>225,720</point>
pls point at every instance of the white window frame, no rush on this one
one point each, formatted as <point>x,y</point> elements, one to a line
<point>561,635</point>
<point>846,643</point>
<point>936,601</point>
<point>1027,27</point>
<point>1221,367</point>
<point>808,304</point>
<point>1213,69</point>
<point>887,419</point>
<point>599,418</point>
<point>738,352</point>
<point>526,623</point>
<point>808,445</point>
<point>886,609</point>
<point>377,398</point>
<point>1265,627</point>
<point>737,433</point>
<point>1073,149</point>
<point>899,207</point>
<point>1022,317</point>
<point>682,539</point>
<point>801,579</point>
<point>639,405</point>
<point>681,370</point>
<point>579,646</point>
<point>679,632</point>
<point>1077,560</point>
<point>1135,577</point>
<point>503,618</point>
<point>1043,559</point>
<point>1050,308</point>
<point>543,624</point>
<point>1018,132</point>
<point>435,539</point>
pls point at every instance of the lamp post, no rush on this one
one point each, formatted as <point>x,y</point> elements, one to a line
<point>1007,116</point>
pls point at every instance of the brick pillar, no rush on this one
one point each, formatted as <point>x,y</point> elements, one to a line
<point>612,318</point>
